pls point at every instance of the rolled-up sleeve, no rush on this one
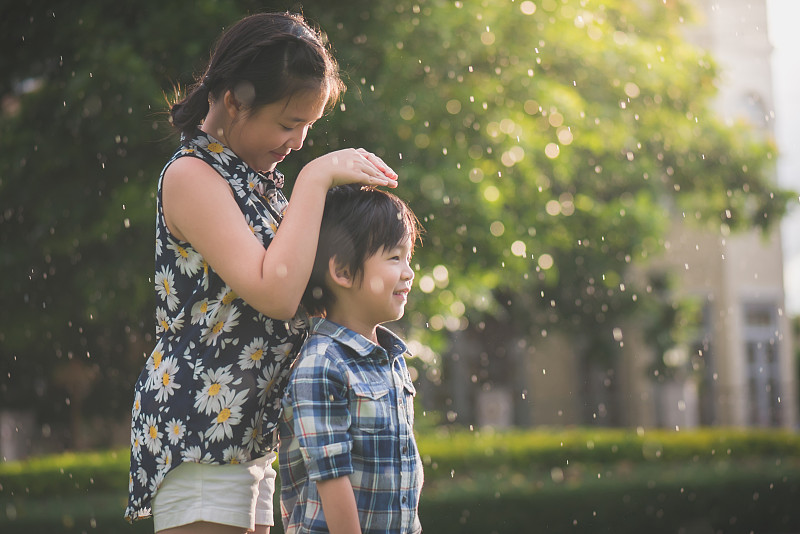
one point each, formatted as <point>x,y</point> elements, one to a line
<point>322,418</point>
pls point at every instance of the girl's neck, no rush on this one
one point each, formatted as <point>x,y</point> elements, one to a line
<point>214,124</point>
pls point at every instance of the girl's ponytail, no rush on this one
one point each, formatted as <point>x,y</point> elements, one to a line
<point>188,113</point>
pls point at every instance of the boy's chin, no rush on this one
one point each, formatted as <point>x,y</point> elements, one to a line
<point>394,317</point>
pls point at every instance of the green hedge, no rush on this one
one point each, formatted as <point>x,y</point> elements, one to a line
<point>551,480</point>
<point>66,474</point>
<point>462,450</point>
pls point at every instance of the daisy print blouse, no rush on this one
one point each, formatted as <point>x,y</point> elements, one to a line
<point>211,390</point>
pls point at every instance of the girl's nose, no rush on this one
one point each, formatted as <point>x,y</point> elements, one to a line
<point>297,139</point>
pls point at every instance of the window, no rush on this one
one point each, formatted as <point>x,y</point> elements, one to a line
<point>762,365</point>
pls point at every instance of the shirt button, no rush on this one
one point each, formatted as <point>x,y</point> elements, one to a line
<point>404,449</point>
<point>403,500</point>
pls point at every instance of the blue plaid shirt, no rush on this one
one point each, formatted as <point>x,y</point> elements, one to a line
<point>349,411</point>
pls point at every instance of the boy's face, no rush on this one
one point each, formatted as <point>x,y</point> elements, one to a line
<point>383,290</point>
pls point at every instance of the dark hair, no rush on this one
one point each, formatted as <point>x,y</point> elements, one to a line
<point>356,223</point>
<point>276,54</point>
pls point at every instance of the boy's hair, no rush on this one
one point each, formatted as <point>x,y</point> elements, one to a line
<point>356,224</point>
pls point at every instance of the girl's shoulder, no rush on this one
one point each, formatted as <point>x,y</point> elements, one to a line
<point>188,174</point>
<point>190,163</point>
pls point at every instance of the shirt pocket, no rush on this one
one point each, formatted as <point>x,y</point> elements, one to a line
<point>369,407</point>
<point>409,392</point>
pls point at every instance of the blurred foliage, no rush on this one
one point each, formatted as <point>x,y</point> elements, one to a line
<point>546,151</point>
<point>544,145</point>
<point>548,448</point>
<point>84,137</point>
<point>448,452</point>
<point>66,474</point>
<point>565,480</point>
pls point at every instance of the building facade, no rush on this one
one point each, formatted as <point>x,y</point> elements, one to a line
<point>749,377</point>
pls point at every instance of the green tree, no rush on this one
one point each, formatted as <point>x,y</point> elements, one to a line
<point>544,145</point>
<point>84,137</point>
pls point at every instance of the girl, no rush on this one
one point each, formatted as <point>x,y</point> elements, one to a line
<point>233,258</point>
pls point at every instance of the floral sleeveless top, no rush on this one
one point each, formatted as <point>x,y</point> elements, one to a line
<point>211,390</point>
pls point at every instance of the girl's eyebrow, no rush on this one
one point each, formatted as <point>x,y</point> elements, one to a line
<point>301,119</point>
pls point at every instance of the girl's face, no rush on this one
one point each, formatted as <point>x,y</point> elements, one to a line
<point>263,137</point>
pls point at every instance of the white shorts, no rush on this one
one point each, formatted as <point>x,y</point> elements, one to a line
<point>238,495</point>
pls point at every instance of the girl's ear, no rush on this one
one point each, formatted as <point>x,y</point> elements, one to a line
<point>232,105</point>
<point>340,274</point>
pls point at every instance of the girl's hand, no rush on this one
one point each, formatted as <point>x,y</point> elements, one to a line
<point>349,166</point>
<point>381,166</point>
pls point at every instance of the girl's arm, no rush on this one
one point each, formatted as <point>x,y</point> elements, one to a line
<point>199,208</point>
<point>339,505</point>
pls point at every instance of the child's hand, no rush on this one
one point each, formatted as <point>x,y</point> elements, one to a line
<point>349,166</point>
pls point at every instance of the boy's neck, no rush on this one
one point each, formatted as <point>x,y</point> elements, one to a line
<point>350,320</point>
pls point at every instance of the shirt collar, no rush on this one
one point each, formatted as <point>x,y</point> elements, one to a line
<point>251,178</point>
<point>390,343</point>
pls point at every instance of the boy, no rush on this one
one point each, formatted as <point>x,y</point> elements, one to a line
<point>348,458</point>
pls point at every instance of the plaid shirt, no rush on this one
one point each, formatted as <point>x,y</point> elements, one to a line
<point>349,411</point>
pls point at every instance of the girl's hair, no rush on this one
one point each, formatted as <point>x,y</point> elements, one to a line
<point>356,224</point>
<point>267,57</point>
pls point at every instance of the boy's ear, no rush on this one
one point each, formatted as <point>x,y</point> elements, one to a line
<point>339,273</point>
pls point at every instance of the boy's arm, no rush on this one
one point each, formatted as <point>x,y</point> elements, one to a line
<point>321,420</point>
<point>339,505</point>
